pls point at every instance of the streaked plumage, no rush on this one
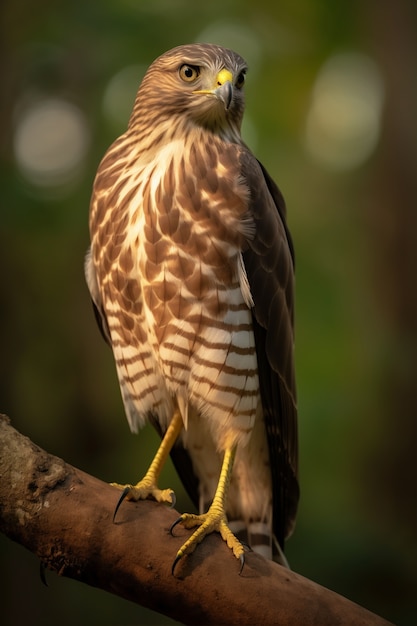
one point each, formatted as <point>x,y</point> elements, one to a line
<point>191,272</point>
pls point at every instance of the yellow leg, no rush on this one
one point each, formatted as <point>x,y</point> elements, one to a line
<point>148,486</point>
<point>215,519</point>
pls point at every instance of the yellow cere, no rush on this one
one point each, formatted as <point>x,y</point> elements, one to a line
<point>223,76</point>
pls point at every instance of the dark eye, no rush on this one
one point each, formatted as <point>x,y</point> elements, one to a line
<point>240,81</point>
<point>189,73</point>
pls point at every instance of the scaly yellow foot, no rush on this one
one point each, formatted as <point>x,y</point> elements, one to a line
<point>148,486</point>
<point>214,520</point>
<point>146,489</point>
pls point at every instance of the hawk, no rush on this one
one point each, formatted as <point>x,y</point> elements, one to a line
<point>191,273</point>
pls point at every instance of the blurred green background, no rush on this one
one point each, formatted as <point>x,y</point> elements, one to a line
<point>331,112</point>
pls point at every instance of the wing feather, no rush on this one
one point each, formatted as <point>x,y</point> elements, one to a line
<point>269,264</point>
<point>98,309</point>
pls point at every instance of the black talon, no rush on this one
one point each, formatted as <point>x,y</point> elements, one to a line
<point>122,497</point>
<point>177,558</point>
<point>242,563</point>
<point>178,521</point>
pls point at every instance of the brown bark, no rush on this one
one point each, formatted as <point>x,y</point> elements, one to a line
<point>64,516</point>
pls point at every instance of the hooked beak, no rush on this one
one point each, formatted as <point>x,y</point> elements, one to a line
<point>223,89</point>
<point>225,93</point>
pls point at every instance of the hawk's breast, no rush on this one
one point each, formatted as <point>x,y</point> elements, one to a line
<point>199,325</point>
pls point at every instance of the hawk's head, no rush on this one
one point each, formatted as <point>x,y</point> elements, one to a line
<point>199,84</point>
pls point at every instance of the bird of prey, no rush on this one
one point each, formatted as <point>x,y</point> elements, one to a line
<point>191,272</point>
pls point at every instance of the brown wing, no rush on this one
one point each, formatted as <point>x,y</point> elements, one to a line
<point>269,264</point>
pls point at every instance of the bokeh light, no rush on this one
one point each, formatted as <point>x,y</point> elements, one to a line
<point>120,93</point>
<point>51,141</point>
<point>343,122</point>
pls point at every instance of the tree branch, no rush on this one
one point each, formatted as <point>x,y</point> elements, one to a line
<point>64,516</point>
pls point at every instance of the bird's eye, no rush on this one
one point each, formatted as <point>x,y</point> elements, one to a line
<point>240,81</point>
<point>189,73</point>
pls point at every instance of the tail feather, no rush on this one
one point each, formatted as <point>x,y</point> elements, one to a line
<point>258,536</point>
